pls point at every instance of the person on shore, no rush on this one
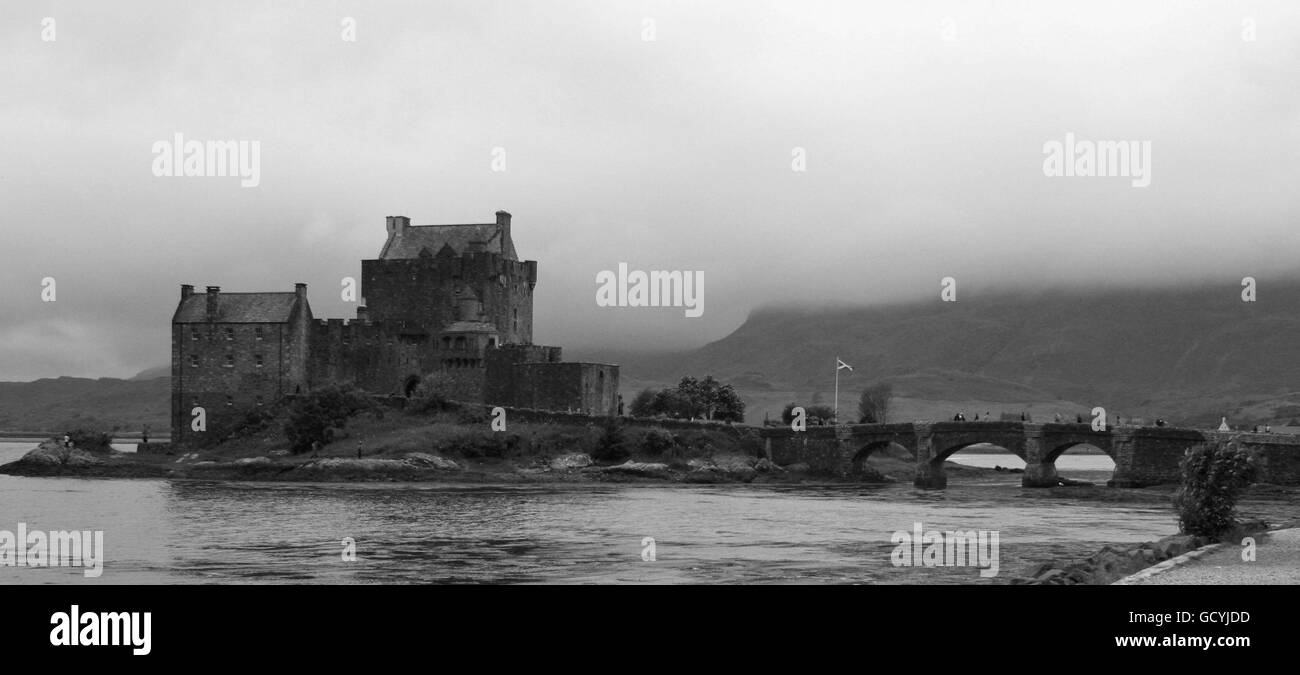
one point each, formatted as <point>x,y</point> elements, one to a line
<point>1022,416</point>
<point>1057,418</point>
<point>1078,419</point>
<point>144,434</point>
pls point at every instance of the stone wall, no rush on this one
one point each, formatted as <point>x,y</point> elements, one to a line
<point>423,291</point>
<point>216,366</point>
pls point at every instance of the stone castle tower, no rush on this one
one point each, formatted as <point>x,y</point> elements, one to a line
<point>450,300</point>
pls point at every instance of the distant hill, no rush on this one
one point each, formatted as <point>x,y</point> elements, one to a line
<point>153,373</point>
<point>1190,355</point>
<point>68,403</point>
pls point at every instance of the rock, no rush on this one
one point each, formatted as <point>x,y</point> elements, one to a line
<point>797,467</point>
<point>1050,575</point>
<point>246,461</point>
<point>365,465</point>
<point>52,453</point>
<point>766,465</point>
<point>1175,545</point>
<point>641,469</point>
<point>1036,570</point>
<point>422,460</point>
<point>279,453</point>
<point>576,460</point>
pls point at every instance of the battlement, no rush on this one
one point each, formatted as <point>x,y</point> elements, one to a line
<point>451,300</point>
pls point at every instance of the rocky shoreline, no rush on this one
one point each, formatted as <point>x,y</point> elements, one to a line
<point>50,459</point>
<point>1112,563</point>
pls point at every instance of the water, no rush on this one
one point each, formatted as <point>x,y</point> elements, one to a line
<point>161,532</point>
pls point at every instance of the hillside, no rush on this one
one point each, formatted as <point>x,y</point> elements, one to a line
<point>1190,355</point>
<point>1183,354</point>
<point>67,403</point>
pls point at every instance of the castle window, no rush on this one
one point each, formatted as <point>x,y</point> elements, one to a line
<point>230,401</point>
<point>259,400</point>
<point>230,360</point>
<point>446,343</point>
<point>492,342</point>
<point>194,360</point>
<point>258,360</point>
<point>194,333</point>
<point>460,342</point>
<point>195,402</point>
<point>257,333</point>
<point>230,333</point>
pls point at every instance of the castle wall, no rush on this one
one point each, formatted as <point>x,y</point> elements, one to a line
<point>216,366</point>
<point>422,291</point>
<point>368,354</point>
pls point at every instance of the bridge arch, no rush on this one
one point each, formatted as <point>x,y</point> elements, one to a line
<point>859,462</point>
<point>1017,449</point>
<point>1060,449</point>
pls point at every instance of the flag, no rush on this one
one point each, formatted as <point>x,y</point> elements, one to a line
<point>840,365</point>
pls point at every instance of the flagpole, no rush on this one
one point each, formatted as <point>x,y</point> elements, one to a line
<point>837,390</point>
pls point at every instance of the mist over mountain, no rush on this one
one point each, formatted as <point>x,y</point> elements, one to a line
<point>1189,354</point>
<point>1181,353</point>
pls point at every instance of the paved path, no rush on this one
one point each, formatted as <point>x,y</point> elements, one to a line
<point>1277,561</point>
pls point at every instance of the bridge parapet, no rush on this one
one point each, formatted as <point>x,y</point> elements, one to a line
<point>1142,455</point>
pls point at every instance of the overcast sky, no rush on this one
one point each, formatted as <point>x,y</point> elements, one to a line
<point>923,127</point>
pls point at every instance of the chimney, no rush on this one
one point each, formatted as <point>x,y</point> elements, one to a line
<point>362,314</point>
<point>300,290</point>
<point>186,291</point>
<point>214,297</point>
<point>503,222</point>
<point>397,225</point>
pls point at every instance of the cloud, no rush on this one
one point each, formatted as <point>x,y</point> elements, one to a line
<point>924,155</point>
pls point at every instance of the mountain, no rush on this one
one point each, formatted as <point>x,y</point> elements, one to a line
<point>67,403</point>
<point>153,373</point>
<point>1188,354</point>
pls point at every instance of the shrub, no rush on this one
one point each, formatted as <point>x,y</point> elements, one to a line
<point>611,445</point>
<point>430,396</point>
<point>317,416</point>
<point>656,442</point>
<point>1213,477</point>
<point>93,441</point>
<point>473,415</point>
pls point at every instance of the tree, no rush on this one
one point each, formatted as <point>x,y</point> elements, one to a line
<point>611,446</point>
<point>1213,477</point>
<point>693,399</point>
<point>643,404</point>
<point>873,404</point>
<point>318,415</point>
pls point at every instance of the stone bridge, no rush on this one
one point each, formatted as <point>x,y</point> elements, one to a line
<point>1142,455</point>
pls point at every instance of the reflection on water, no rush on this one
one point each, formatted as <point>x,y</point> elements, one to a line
<point>198,532</point>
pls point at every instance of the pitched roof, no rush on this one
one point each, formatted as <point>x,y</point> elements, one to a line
<point>238,308</point>
<point>434,237</point>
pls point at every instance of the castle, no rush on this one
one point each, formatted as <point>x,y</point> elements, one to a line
<point>448,299</point>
